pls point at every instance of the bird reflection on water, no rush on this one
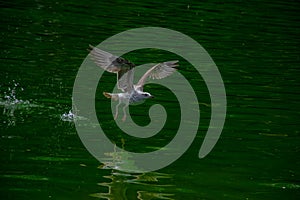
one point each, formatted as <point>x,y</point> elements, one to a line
<point>146,186</point>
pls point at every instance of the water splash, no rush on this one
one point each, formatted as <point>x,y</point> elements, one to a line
<point>11,103</point>
<point>72,115</point>
<point>68,117</point>
<point>10,97</point>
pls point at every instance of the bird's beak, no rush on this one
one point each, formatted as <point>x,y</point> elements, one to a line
<point>151,97</point>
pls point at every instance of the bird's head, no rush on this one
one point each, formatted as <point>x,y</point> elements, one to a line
<point>145,95</point>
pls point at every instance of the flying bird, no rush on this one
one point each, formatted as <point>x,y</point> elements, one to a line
<point>131,93</point>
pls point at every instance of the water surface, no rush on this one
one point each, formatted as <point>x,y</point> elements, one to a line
<point>255,45</point>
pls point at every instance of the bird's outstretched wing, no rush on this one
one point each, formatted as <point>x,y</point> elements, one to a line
<point>159,71</point>
<point>114,64</point>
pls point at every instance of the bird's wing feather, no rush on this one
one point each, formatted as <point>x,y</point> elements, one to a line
<point>125,80</point>
<point>159,71</point>
<point>104,59</point>
<point>114,64</point>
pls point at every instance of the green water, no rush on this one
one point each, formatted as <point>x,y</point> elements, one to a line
<point>255,45</point>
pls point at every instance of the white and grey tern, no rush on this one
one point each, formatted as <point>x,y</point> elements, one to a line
<point>131,93</point>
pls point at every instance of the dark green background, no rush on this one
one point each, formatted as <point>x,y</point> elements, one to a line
<point>255,45</point>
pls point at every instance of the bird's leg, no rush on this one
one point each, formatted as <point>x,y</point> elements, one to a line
<point>124,112</point>
<point>117,110</point>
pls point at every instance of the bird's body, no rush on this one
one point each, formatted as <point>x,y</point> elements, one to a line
<point>130,97</point>
<point>127,98</point>
<point>125,71</point>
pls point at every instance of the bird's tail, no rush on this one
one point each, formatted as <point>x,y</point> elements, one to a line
<point>114,97</point>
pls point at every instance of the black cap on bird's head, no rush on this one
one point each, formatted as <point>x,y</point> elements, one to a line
<point>147,95</point>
